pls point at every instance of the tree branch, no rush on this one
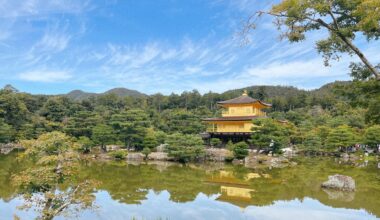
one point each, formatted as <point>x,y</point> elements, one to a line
<point>336,31</point>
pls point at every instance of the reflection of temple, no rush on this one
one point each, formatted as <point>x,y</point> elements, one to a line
<point>234,190</point>
<point>226,177</point>
<point>236,195</point>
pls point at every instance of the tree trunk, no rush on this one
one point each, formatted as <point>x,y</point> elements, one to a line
<point>354,48</point>
<point>364,59</point>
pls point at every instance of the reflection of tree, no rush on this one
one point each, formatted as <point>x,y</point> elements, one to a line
<point>304,181</point>
<point>8,165</point>
<point>129,184</point>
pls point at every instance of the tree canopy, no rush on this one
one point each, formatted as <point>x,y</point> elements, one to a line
<point>342,20</point>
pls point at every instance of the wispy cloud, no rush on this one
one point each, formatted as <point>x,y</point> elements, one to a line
<point>23,8</point>
<point>51,41</point>
<point>55,39</point>
<point>45,76</point>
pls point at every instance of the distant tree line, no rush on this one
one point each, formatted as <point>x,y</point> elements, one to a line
<point>313,117</point>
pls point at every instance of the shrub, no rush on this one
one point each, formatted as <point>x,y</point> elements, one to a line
<point>240,150</point>
<point>84,144</point>
<point>185,147</point>
<point>146,151</point>
<point>118,154</point>
<point>215,142</point>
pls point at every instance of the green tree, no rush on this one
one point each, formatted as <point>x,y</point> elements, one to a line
<point>7,133</point>
<point>312,142</point>
<point>12,109</point>
<point>343,20</point>
<point>85,144</point>
<point>150,140</point>
<point>342,137</point>
<point>268,133</point>
<point>146,151</point>
<point>103,134</point>
<point>240,150</point>
<point>185,147</point>
<point>118,154</point>
<point>131,127</point>
<point>372,115</point>
<point>215,142</point>
<point>57,165</point>
<point>181,120</point>
<point>55,109</point>
<point>372,136</point>
<point>81,123</point>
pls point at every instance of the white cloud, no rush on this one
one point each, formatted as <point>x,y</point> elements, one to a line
<point>23,8</point>
<point>295,69</point>
<point>45,76</point>
<point>54,40</point>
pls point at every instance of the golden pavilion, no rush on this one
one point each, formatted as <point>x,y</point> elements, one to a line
<point>236,121</point>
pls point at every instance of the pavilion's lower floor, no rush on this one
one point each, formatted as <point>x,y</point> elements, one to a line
<point>225,137</point>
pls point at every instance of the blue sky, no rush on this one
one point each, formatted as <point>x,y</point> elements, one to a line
<point>54,46</point>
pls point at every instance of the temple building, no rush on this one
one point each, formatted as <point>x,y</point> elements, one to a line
<point>236,121</point>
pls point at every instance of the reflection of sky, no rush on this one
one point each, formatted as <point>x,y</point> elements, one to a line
<point>159,206</point>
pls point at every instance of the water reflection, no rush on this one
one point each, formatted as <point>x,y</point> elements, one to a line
<point>215,191</point>
<point>160,206</point>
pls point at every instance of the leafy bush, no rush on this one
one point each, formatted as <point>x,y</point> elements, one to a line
<point>84,144</point>
<point>185,147</point>
<point>215,142</point>
<point>118,154</point>
<point>146,151</point>
<point>240,150</point>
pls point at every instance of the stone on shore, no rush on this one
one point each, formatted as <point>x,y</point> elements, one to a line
<point>159,156</point>
<point>218,155</point>
<point>135,156</point>
<point>7,148</point>
<point>339,182</point>
<point>112,148</point>
<point>253,161</point>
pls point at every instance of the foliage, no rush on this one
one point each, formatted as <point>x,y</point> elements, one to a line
<point>7,133</point>
<point>240,150</point>
<point>103,134</point>
<point>146,151</point>
<point>145,121</point>
<point>150,140</point>
<point>85,144</point>
<point>342,136</point>
<point>118,154</point>
<point>372,136</point>
<point>312,142</point>
<point>215,142</point>
<point>230,146</point>
<point>269,133</point>
<point>185,147</point>
<point>343,20</point>
<point>56,164</point>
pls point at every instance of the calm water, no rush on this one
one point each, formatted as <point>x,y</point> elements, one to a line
<point>215,191</point>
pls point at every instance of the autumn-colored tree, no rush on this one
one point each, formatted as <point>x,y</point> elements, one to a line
<point>343,19</point>
<point>56,165</point>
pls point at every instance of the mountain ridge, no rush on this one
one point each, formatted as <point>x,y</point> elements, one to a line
<point>270,90</point>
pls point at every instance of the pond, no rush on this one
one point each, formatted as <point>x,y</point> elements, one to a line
<point>163,190</point>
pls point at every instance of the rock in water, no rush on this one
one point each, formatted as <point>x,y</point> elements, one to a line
<point>340,182</point>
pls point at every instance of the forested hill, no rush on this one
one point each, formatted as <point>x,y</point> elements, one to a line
<point>79,95</point>
<point>25,116</point>
<point>258,92</point>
